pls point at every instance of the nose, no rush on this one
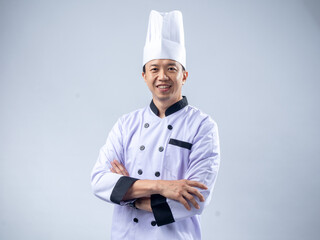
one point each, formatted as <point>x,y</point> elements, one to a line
<point>162,75</point>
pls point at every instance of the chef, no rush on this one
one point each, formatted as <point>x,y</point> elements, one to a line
<point>160,163</point>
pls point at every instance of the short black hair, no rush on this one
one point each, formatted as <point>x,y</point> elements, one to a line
<point>144,68</point>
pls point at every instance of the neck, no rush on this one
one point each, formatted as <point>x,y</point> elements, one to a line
<point>164,105</point>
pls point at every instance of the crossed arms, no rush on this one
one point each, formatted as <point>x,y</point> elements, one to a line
<point>179,190</point>
<point>169,200</point>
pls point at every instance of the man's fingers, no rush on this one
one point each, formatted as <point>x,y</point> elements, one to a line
<point>126,172</point>
<point>119,168</point>
<point>115,167</point>
<point>122,168</point>
<point>197,184</point>
<point>192,200</point>
<point>195,191</point>
<point>185,203</point>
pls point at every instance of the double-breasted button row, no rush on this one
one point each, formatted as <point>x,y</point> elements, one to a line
<point>153,223</point>
<point>146,125</point>
<point>142,147</point>
<point>157,173</point>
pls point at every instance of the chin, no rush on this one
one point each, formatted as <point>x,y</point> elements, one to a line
<point>163,98</point>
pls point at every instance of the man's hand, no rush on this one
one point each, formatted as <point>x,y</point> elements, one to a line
<point>118,168</point>
<point>180,190</point>
<point>143,204</point>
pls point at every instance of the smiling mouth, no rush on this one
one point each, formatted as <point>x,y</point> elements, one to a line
<point>163,87</point>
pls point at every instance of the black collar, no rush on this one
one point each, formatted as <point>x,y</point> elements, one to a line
<point>172,109</point>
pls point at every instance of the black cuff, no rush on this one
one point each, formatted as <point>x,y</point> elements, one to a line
<point>121,188</point>
<point>161,210</point>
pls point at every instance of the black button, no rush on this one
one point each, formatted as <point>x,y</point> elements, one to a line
<point>170,127</point>
<point>146,125</point>
<point>135,220</point>
<point>140,172</point>
<point>153,223</point>
<point>157,174</point>
<point>161,149</point>
<point>142,147</point>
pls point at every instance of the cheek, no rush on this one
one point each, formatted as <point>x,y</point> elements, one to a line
<point>148,81</point>
<point>179,83</point>
<point>150,84</point>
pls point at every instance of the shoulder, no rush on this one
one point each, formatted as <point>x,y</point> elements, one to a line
<point>198,117</point>
<point>131,117</point>
<point>205,128</point>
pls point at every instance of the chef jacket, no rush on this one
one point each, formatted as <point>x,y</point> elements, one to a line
<point>182,145</point>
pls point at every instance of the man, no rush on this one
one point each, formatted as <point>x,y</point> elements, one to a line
<point>160,163</point>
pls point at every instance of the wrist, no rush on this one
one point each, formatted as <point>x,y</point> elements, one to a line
<point>157,187</point>
<point>132,204</point>
<point>153,187</point>
<point>144,188</point>
<point>143,204</point>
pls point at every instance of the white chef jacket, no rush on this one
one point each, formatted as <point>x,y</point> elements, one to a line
<point>182,145</point>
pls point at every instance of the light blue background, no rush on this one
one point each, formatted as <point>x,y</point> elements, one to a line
<point>69,69</point>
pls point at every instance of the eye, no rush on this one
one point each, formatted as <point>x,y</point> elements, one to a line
<point>172,69</point>
<point>154,69</point>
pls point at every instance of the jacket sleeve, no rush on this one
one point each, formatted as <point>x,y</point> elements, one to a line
<point>204,161</point>
<point>106,185</point>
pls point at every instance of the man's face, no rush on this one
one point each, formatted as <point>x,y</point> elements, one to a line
<point>165,78</point>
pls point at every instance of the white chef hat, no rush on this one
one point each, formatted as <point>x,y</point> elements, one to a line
<point>165,37</point>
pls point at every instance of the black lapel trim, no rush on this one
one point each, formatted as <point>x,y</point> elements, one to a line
<point>154,108</point>
<point>121,188</point>
<point>161,210</point>
<point>180,143</point>
<point>172,109</point>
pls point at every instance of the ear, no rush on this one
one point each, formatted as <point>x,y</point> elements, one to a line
<point>144,76</point>
<point>185,76</point>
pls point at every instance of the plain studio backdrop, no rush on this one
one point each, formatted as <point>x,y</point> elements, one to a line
<point>70,69</point>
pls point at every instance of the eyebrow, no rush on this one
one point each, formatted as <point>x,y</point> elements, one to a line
<point>169,64</point>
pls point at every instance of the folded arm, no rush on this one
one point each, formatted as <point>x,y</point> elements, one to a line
<point>168,200</point>
<point>179,190</point>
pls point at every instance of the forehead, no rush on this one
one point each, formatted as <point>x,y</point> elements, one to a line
<point>162,62</point>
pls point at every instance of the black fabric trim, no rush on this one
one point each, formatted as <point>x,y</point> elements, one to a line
<point>172,109</point>
<point>161,210</point>
<point>121,188</point>
<point>180,143</point>
<point>154,108</point>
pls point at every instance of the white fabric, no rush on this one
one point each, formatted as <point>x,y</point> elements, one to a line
<point>165,37</point>
<point>200,163</point>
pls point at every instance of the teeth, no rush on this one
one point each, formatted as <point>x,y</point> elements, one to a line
<point>163,87</point>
